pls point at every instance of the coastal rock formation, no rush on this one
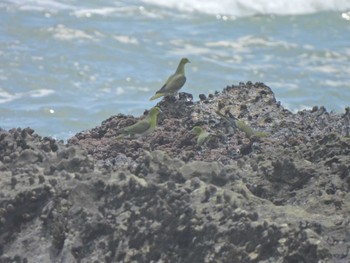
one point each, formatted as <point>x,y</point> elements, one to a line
<point>280,197</point>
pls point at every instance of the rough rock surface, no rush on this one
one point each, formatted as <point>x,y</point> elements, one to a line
<point>282,197</point>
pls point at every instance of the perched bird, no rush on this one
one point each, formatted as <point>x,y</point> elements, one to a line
<point>174,82</point>
<point>230,121</point>
<point>202,135</point>
<point>241,125</point>
<point>249,132</point>
<point>142,127</point>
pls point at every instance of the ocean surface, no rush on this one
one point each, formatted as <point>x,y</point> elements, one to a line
<point>66,65</point>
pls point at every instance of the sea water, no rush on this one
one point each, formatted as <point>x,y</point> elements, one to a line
<point>67,65</point>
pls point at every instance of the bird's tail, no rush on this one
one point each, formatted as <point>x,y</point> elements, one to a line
<point>120,136</point>
<point>156,96</point>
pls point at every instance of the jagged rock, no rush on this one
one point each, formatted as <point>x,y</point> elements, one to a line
<point>283,197</point>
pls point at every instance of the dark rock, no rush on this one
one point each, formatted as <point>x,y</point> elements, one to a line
<point>280,197</point>
<point>202,97</point>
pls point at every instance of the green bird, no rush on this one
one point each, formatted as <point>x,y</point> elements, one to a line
<point>242,126</point>
<point>202,135</point>
<point>249,132</point>
<point>142,127</point>
<point>174,82</point>
<point>230,121</point>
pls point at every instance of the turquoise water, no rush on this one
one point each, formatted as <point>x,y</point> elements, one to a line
<point>66,66</point>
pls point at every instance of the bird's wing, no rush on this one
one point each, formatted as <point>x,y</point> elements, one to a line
<point>173,84</point>
<point>203,136</point>
<point>242,126</point>
<point>139,127</point>
<point>231,122</point>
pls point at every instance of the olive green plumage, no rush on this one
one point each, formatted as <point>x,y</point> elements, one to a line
<point>242,126</point>
<point>202,135</point>
<point>230,121</point>
<point>249,132</point>
<point>142,127</point>
<point>174,82</point>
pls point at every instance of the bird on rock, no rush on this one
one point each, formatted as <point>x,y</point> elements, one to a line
<point>174,82</point>
<point>241,125</point>
<point>202,135</point>
<point>142,127</point>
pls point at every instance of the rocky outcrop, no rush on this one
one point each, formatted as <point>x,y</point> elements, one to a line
<point>280,194</point>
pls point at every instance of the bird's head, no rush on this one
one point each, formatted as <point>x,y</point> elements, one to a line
<point>197,130</point>
<point>154,111</point>
<point>184,61</point>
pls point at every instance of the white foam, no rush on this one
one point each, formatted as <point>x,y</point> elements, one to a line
<point>346,16</point>
<point>253,7</point>
<point>126,39</point>
<point>244,43</point>
<point>40,93</point>
<point>234,8</point>
<point>104,11</point>
<point>285,86</point>
<point>39,5</point>
<point>182,48</point>
<point>6,96</point>
<point>336,83</point>
<point>62,32</point>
